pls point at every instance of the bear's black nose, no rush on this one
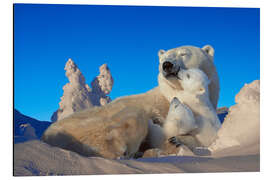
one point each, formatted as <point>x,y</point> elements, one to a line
<point>167,67</point>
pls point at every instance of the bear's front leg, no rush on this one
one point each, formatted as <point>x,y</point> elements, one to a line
<point>191,142</point>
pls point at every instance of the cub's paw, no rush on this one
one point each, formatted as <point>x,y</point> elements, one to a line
<point>201,151</point>
<point>174,141</point>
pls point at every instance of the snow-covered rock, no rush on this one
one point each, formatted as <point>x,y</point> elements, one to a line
<point>241,127</point>
<point>78,95</point>
<point>102,86</point>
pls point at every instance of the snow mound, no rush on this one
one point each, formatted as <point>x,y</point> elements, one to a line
<point>78,95</point>
<point>241,127</point>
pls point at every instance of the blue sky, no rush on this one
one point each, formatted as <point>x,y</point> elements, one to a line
<point>127,39</point>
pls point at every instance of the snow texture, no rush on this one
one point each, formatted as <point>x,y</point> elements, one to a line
<point>241,127</point>
<point>78,95</point>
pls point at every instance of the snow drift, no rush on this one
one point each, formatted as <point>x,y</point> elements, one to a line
<point>241,127</point>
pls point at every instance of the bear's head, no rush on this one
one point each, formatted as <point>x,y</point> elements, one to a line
<point>187,57</point>
<point>194,81</point>
<point>175,110</point>
<point>184,57</point>
<point>180,119</point>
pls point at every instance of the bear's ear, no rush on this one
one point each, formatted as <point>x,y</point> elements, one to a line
<point>161,52</point>
<point>209,50</point>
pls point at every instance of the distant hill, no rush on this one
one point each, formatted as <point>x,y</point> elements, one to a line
<point>24,125</point>
<point>222,113</point>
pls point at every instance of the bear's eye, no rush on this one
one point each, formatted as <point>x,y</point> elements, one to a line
<point>188,76</point>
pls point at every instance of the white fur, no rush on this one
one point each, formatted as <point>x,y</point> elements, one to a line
<point>169,89</point>
<point>180,120</point>
<point>156,135</point>
<point>187,57</point>
<point>196,96</point>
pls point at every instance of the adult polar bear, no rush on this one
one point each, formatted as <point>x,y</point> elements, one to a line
<point>90,131</point>
<point>187,57</point>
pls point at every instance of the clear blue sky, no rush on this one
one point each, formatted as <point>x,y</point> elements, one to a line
<point>128,40</point>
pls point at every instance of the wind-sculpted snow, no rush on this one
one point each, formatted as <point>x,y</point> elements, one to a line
<point>102,86</point>
<point>78,95</point>
<point>241,127</point>
<point>35,158</point>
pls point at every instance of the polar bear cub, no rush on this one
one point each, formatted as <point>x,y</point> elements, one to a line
<point>196,96</point>
<point>180,119</point>
<point>195,116</point>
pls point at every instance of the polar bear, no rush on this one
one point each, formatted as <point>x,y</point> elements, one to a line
<point>180,128</point>
<point>126,134</point>
<point>180,120</point>
<point>156,135</point>
<point>119,136</point>
<point>202,122</point>
<point>83,127</point>
<point>186,57</point>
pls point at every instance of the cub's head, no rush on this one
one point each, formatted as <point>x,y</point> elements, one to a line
<point>180,119</point>
<point>184,57</point>
<point>193,81</point>
<point>176,108</point>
